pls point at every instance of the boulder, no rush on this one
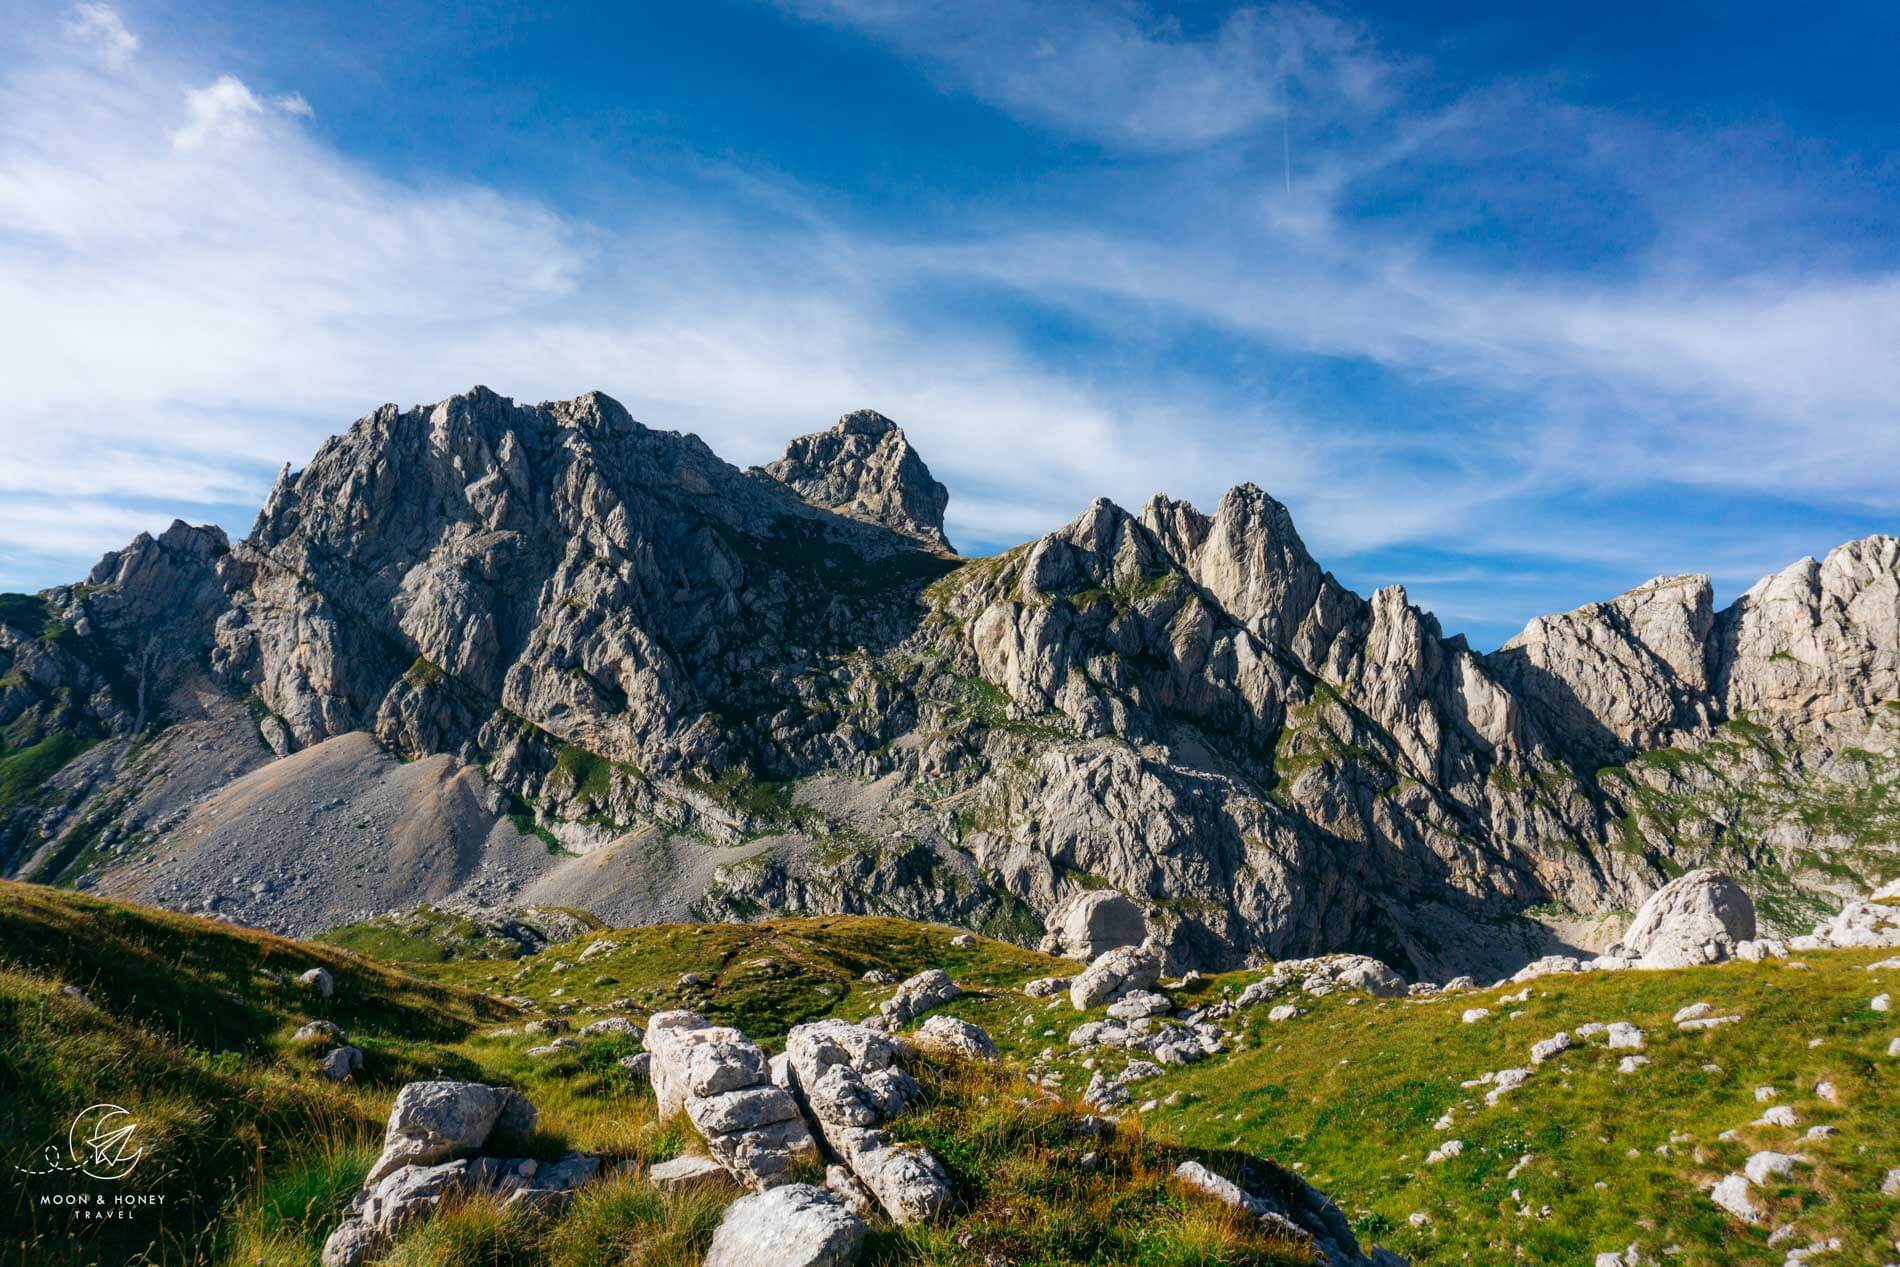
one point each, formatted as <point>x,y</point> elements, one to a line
<point>319,1032</point>
<point>611,1027</point>
<point>1113,974</point>
<point>797,1225</point>
<point>1697,918</point>
<point>340,1064</point>
<point>917,995</point>
<point>432,1121</point>
<point>1087,925</point>
<point>318,979</point>
<point>1045,987</point>
<point>959,1038</point>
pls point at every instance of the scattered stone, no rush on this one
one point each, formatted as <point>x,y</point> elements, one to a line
<point>1826,1090</point>
<point>611,1026</point>
<point>797,1225</point>
<point>1764,1094</point>
<point>1764,1166</point>
<point>1881,1002</point>
<point>1780,1115</point>
<point>963,940</point>
<point>1445,1151</point>
<point>1624,1036</point>
<point>318,979</point>
<point>1630,1064</point>
<point>960,1038</point>
<point>917,995</point>
<point>847,1078</point>
<point>1136,1004</point>
<point>1890,1185</point>
<point>691,980</point>
<point>750,1126</point>
<point>1194,1175</point>
<point>1707,1022</point>
<point>640,1064</point>
<point>555,1048</point>
<point>340,1064</point>
<point>547,1025</point>
<point>1113,974</point>
<point>1735,1194</point>
<point>1503,1083</point>
<point>878,976</point>
<point>1284,1012</point>
<point>1555,1045</point>
<point>1475,1014</point>
<point>431,1121</point>
<point>319,1032</point>
<point>1691,1012</point>
<point>1696,918</point>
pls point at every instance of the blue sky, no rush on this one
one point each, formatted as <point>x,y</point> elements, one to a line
<point>1515,309</point>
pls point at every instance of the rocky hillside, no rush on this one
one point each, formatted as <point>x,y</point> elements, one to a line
<point>864,1090</point>
<point>515,655</point>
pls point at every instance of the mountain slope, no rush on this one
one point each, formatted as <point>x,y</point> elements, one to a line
<point>628,676</point>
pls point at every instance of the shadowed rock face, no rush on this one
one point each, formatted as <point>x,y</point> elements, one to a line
<point>776,689</point>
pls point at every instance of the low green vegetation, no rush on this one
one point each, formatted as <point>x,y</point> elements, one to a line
<point>187,1023</point>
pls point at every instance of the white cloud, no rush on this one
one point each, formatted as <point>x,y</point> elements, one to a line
<point>183,309</point>
<point>101,29</point>
<point>294,104</point>
<point>1118,73</point>
<point>222,109</point>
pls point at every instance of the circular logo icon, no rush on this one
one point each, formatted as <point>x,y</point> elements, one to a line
<point>101,1142</point>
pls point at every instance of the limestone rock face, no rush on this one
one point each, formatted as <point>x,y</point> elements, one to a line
<point>1618,677</point>
<point>865,468</point>
<point>1816,640</point>
<point>1085,925</point>
<point>699,680</point>
<point>1696,918</point>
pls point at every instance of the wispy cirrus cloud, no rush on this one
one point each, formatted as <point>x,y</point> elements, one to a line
<point>1119,73</point>
<point>196,286</point>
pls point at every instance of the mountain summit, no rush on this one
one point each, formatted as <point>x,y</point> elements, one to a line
<point>492,652</point>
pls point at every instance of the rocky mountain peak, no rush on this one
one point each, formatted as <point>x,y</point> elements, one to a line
<point>866,468</point>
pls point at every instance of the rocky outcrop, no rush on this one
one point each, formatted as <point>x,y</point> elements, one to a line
<point>1612,679</point>
<point>722,1083</point>
<point>431,1121</point>
<point>847,1078</point>
<point>1113,975</point>
<point>434,1121</point>
<point>865,468</point>
<point>1696,918</point>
